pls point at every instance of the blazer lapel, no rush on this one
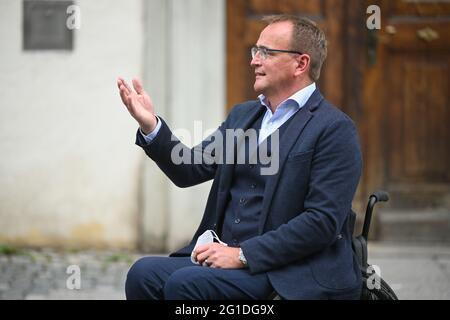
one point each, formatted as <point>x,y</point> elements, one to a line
<point>290,136</point>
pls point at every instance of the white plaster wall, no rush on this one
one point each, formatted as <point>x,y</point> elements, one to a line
<point>198,77</point>
<point>69,170</point>
<point>185,74</point>
<point>70,174</point>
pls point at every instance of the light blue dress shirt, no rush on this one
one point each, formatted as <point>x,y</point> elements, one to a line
<point>285,110</point>
<point>272,120</point>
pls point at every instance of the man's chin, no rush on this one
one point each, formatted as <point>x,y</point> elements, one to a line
<point>258,88</point>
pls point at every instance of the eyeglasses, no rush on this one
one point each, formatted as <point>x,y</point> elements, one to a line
<point>264,52</point>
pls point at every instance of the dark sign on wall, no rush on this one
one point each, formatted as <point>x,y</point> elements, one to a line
<point>44,25</point>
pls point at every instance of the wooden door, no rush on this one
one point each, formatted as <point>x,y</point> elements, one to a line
<point>244,26</point>
<point>406,116</point>
<point>408,86</point>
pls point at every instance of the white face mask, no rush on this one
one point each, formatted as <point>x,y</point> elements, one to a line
<point>209,236</point>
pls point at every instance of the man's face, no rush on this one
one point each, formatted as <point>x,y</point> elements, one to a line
<point>275,74</point>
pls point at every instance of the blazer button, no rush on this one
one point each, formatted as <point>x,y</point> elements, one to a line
<point>253,186</point>
<point>339,236</point>
<point>237,220</point>
<point>242,200</point>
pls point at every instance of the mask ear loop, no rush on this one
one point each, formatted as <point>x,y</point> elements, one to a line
<point>216,237</point>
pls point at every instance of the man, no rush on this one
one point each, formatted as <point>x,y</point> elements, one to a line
<point>287,232</point>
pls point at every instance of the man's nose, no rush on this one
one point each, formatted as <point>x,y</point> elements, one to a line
<point>256,61</point>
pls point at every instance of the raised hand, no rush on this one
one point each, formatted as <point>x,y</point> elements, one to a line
<point>138,103</point>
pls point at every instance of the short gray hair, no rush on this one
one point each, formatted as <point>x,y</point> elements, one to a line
<point>306,38</point>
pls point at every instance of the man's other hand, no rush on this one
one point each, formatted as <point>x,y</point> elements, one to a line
<point>216,255</point>
<point>139,104</point>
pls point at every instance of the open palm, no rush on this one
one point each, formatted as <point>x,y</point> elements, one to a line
<point>138,103</point>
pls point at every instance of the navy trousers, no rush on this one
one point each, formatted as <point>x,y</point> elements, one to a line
<point>177,278</point>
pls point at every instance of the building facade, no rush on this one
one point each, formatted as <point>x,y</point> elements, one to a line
<point>71,176</point>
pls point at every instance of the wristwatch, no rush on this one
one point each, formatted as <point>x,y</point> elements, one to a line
<point>242,257</point>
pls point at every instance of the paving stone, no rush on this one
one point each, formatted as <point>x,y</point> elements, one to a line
<point>4,286</point>
<point>35,297</point>
<point>14,294</point>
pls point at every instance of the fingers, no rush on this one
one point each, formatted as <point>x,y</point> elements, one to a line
<point>120,81</point>
<point>137,86</point>
<point>127,88</point>
<point>202,259</point>
<point>123,85</point>
<point>123,96</point>
<point>203,249</point>
<point>202,253</point>
<point>207,252</point>
<point>125,91</point>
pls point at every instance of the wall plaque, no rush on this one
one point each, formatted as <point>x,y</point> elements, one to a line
<point>44,25</point>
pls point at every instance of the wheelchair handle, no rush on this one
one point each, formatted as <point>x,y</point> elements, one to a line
<point>378,196</point>
<point>381,196</point>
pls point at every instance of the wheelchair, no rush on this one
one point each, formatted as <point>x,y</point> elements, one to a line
<point>373,286</point>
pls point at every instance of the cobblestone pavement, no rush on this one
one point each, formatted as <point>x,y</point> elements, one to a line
<point>43,274</point>
<point>413,271</point>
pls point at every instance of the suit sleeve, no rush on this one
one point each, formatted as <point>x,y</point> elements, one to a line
<point>184,166</point>
<point>335,172</point>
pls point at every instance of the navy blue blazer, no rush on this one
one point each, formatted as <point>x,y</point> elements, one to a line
<point>304,238</point>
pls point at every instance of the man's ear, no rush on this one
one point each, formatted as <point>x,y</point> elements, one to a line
<point>303,64</point>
